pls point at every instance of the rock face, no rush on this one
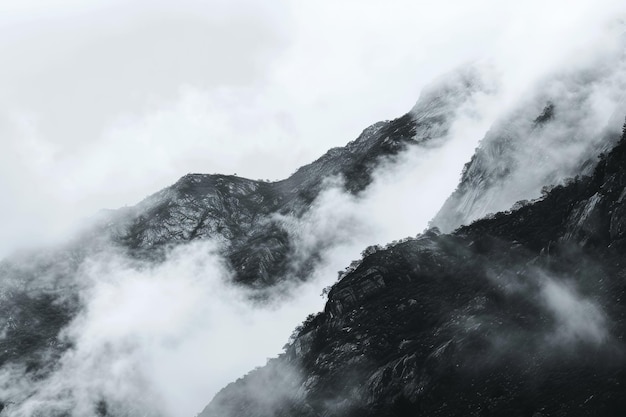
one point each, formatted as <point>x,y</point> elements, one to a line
<point>520,314</point>
<point>39,291</point>
<point>241,213</point>
<point>557,131</point>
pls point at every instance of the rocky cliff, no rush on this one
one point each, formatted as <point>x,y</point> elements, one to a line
<point>520,314</point>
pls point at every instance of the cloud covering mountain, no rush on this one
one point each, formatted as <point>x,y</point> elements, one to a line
<point>154,307</point>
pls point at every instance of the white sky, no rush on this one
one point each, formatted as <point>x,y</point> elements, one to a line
<point>105,102</point>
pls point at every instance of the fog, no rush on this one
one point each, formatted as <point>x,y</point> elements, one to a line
<point>555,131</point>
<point>405,194</point>
<point>156,339</point>
<point>163,339</point>
<point>106,102</point>
<point>116,108</point>
<point>568,310</point>
<point>577,318</point>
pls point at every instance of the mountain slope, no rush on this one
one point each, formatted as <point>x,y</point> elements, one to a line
<point>40,291</point>
<point>521,314</point>
<point>552,134</point>
<point>241,213</point>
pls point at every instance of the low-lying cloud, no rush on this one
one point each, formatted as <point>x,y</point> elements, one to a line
<point>554,131</point>
<point>406,192</point>
<point>163,338</point>
<point>564,317</point>
<point>577,318</point>
<point>156,339</point>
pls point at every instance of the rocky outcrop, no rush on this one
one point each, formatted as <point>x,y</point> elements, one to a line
<point>520,314</point>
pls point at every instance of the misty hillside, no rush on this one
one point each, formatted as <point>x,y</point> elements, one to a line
<point>246,216</point>
<point>557,130</point>
<point>521,314</point>
<point>42,290</point>
<point>77,316</point>
<point>312,209</point>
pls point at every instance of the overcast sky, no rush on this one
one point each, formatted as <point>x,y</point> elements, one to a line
<point>105,102</point>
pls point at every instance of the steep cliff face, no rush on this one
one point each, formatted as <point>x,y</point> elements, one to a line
<point>553,134</point>
<point>520,314</point>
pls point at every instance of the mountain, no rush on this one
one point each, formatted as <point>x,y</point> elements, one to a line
<point>41,290</point>
<point>557,129</point>
<point>520,314</point>
<point>243,214</point>
<point>408,324</point>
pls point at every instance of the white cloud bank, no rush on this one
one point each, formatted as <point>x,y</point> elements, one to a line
<point>105,102</point>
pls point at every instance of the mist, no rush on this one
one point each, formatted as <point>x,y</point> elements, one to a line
<point>162,339</point>
<point>158,340</point>
<point>102,106</point>
<point>555,131</point>
<point>165,338</point>
<point>577,318</point>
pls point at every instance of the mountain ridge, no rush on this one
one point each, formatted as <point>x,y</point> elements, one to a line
<point>521,314</point>
<point>41,290</point>
<point>244,216</point>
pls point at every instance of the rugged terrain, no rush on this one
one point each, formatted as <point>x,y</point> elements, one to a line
<point>40,289</point>
<point>409,324</point>
<point>556,129</point>
<point>245,214</point>
<point>520,314</point>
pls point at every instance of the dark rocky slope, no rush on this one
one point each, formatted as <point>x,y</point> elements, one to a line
<point>520,314</point>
